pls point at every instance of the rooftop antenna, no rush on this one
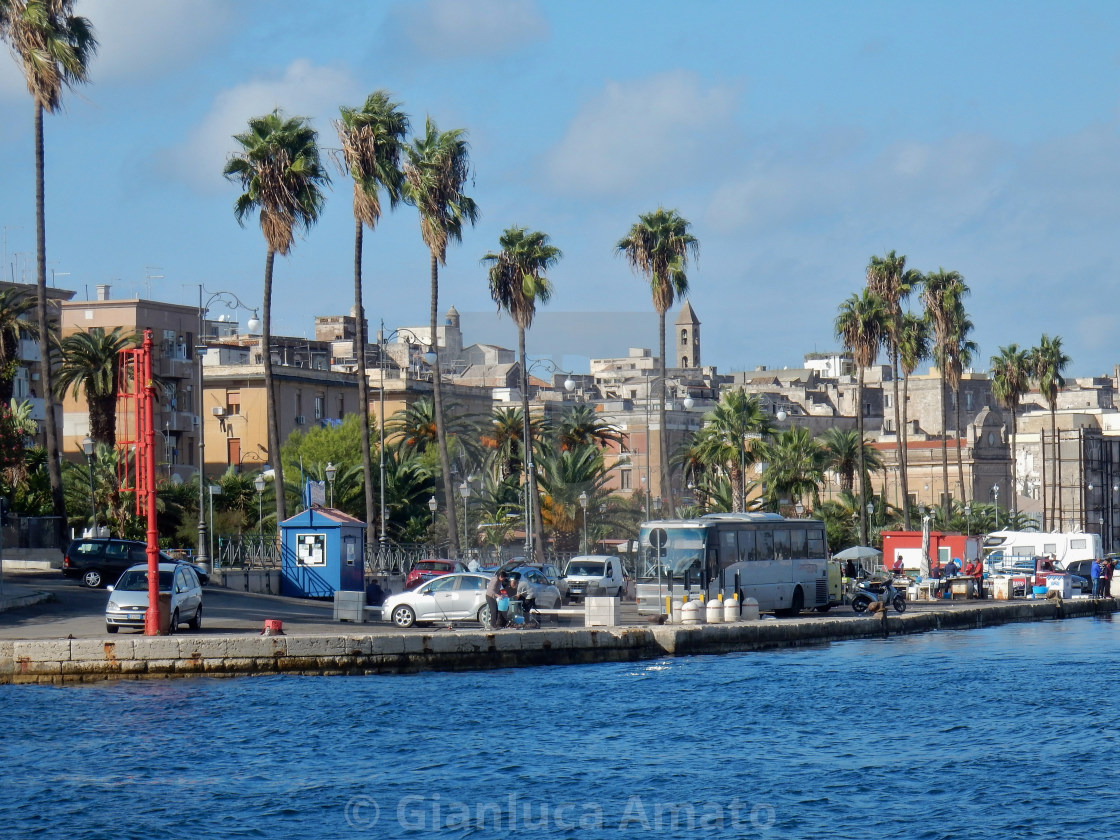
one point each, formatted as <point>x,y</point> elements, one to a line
<point>149,277</point>
<point>4,238</point>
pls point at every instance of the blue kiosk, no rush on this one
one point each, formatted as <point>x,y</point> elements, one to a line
<point>322,550</point>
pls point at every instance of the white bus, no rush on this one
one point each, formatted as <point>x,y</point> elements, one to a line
<point>782,563</point>
<point>1002,548</point>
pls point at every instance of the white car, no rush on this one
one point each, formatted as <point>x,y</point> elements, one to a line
<point>446,598</point>
<point>592,571</point>
<point>544,592</point>
<point>128,598</point>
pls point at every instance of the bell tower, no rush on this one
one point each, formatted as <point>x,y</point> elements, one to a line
<point>686,338</point>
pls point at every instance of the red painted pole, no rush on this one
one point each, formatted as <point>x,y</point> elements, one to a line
<point>146,468</point>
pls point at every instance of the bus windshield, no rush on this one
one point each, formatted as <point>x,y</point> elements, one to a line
<point>671,551</point>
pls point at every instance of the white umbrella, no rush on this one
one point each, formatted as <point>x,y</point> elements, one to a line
<point>858,553</point>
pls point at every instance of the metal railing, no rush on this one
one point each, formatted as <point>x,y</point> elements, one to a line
<point>247,551</point>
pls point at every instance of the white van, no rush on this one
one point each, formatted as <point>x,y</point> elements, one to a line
<point>1002,548</point>
<point>594,570</point>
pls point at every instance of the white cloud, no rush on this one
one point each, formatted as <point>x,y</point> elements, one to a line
<point>660,131</point>
<point>448,29</point>
<point>302,90</point>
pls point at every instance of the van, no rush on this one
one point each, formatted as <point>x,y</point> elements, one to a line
<point>592,573</point>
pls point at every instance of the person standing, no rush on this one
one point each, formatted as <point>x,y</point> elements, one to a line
<point>1095,575</point>
<point>978,576</point>
<point>494,590</point>
<point>1107,567</point>
<point>935,576</point>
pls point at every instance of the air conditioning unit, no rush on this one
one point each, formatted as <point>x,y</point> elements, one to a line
<point>301,420</point>
<point>218,411</point>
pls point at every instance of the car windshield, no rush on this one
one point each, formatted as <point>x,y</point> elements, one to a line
<point>137,581</point>
<point>585,567</point>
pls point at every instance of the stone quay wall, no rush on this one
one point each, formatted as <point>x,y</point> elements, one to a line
<point>144,657</point>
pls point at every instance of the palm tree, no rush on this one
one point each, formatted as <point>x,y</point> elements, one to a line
<point>517,283</point>
<point>564,475</point>
<point>436,169</point>
<point>796,463</point>
<point>842,456</point>
<point>659,246</point>
<point>54,47</point>
<point>889,278</point>
<point>941,292</point>
<point>959,356</point>
<point>1011,375</point>
<point>15,306</point>
<point>729,440</point>
<point>372,141</point>
<point>581,425</point>
<point>279,168</point>
<point>1048,361</point>
<point>913,348</point>
<point>860,325</point>
<point>90,363</point>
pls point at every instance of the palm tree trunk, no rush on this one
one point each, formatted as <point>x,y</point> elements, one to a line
<point>46,385</point>
<point>1013,495</point>
<point>899,439</point>
<point>905,450</point>
<point>441,433</point>
<point>862,469</point>
<point>363,383</point>
<point>102,418</point>
<point>944,501</point>
<point>663,477</point>
<point>271,411</point>
<point>960,458</point>
<point>1055,485</point>
<point>533,497</point>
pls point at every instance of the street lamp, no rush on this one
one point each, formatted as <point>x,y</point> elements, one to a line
<point>433,505</point>
<point>800,509</point>
<point>87,447</point>
<point>968,519</point>
<point>465,492</point>
<point>331,471</point>
<point>995,493</point>
<point>583,500</point>
<point>253,325</point>
<point>258,482</point>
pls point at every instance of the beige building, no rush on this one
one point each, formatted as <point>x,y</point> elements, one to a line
<point>26,383</point>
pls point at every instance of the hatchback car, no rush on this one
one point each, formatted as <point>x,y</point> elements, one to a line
<point>427,569</point>
<point>460,595</point>
<point>545,593</point>
<point>128,601</point>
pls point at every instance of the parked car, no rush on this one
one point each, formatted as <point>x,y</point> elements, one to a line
<point>594,571</point>
<point>128,601</point>
<point>424,570</point>
<point>1082,570</point>
<point>97,562</point>
<point>544,591</point>
<point>459,595</point>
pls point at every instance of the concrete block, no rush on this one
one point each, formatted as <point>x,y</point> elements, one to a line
<point>99,650</point>
<point>41,650</point>
<point>555,639</point>
<point>156,647</point>
<point>90,667</point>
<point>359,646</point>
<point>316,646</point>
<point>508,640</point>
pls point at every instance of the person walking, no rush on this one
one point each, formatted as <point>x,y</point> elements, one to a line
<point>1095,576</point>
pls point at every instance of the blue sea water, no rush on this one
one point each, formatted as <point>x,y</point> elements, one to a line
<point>1004,732</point>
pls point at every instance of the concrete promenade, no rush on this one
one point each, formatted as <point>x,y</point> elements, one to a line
<point>140,657</point>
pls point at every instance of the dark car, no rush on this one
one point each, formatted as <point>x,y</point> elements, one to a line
<point>97,562</point>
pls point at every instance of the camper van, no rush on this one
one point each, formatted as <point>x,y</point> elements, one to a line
<point>1003,548</point>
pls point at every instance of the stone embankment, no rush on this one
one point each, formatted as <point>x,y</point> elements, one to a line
<point>139,657</point>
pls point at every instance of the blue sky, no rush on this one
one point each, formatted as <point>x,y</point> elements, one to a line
<point>798,138</point>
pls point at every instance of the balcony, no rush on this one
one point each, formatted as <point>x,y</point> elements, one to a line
<point>28,350</point>
<point>175,421</point>
<point>170,367</point>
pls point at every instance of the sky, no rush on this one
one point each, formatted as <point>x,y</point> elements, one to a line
<point>799,139</point>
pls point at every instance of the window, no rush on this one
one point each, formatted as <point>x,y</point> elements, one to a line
<point>684,338</point>
<point>625,480</point>
<point>472,582</point>
<point>798,544</point>
<point>968,401</point>
<point>747,546</point>
<point>782,545</point>
<point>318,407</point>
<point>684,361</point>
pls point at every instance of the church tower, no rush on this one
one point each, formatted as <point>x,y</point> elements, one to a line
<point>687,338</point>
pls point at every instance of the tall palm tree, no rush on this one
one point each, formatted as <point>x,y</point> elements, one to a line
<point>436,169</point>
<point>15,307</point>
<point>517,284</point>
<point>1011,375</point>
<point>1049,361</point>
<point>860,325</point>
<point>54,47</point>
<point>730,439</point>
<point>941,292</point>
<point>889,278</point>
<point>372,140</point>
<point>658,246</point>
<point>842,456</point>
<point>959,353</point>
<point>795,466</point>
<point>279,168</point>
<point>581,425</point>
<point>90,363</point>
<point>913,348</point>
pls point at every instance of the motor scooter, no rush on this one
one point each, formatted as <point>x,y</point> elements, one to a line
<point>868,591</point>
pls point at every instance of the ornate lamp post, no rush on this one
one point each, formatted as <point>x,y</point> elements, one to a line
<point>331,471</point>
<point>583,500</point>
<point>258,482</point>
<point>465,492</point>
<point>995,494</point>
<point>253,325</point>
<point>87,447</point>
<point>433,506</point>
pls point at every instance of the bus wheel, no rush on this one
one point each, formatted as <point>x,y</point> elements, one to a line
<point>824,608</point>
<point>797,605</point>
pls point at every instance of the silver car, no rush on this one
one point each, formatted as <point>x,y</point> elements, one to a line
<point>128,599</point>
<point>545,592</point>
<point>446,598</point>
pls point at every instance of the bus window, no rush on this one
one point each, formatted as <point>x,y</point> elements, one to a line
<point>764,545</point>
<point>746,546</point>
<point>781,544</point>
<point>798,544</point>
<point>816,543</point>
<point>728,549</point>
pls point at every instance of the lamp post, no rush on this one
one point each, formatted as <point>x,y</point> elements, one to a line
<point>968,519</point>
<point>465,492</point>
<point>995,493</point>
<point>433,506</point>
<point>253,325</point>
<point>583,500</point>
<point>258,482</point>
<point>215,490</point>
<point>87,447</point>
<point>331,471</point>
